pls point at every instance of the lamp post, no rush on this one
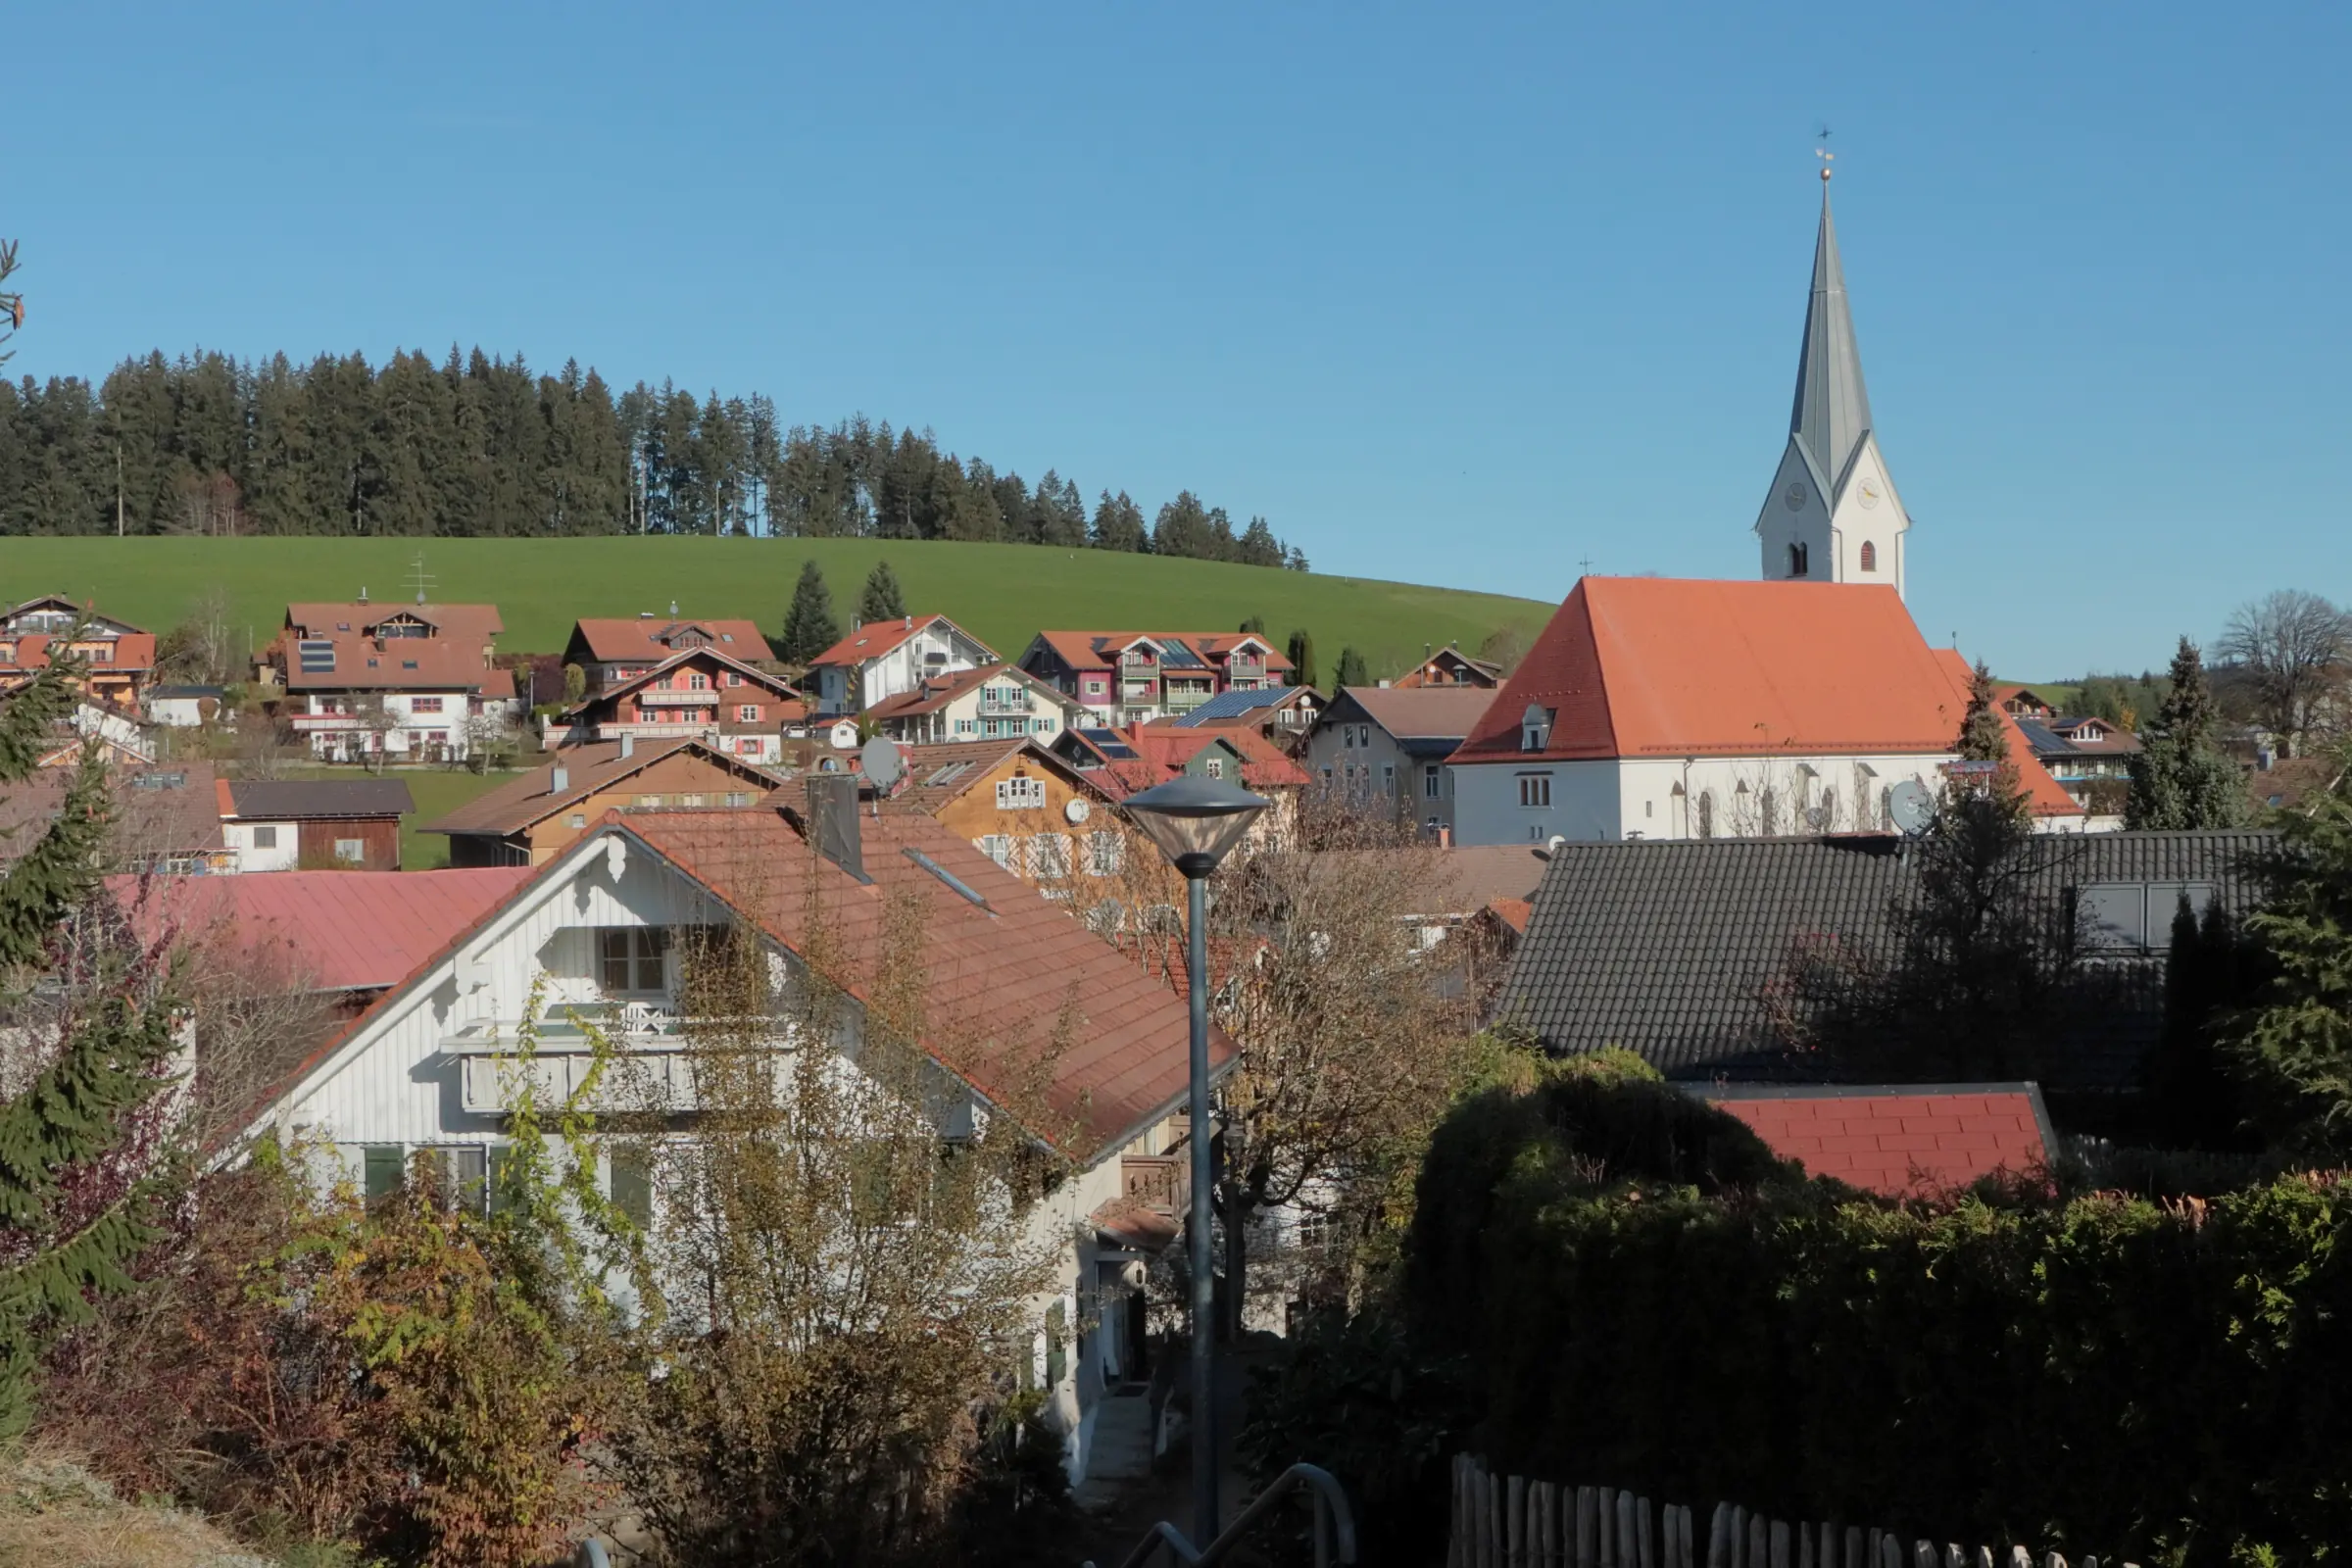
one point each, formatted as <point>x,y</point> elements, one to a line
<point>1196,822</point>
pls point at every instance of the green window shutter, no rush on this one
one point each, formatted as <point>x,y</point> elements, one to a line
<point>1057,1335</point>
<point>381,1168</point>
<point>632,1186</point>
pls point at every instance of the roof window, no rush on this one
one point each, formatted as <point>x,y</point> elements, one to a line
<point>1535,728</point>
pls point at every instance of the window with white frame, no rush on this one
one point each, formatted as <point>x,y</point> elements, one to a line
<point>1021,793</point>
<point>629,958</point>
<point>1431,773</point>
<point>1105,854</point>
<point>997,846</point>
<point>1535,789</point>
<point>734,677</point>
<point>1214,768</point>
<point>265,836</point>
<point>351,851</point>
<point>746,714</point>
<point>1050,856</point>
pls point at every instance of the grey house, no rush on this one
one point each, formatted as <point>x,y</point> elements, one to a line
<point>1387,745</point>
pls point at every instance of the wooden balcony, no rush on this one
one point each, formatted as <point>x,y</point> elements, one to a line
<point>1159,1183</point>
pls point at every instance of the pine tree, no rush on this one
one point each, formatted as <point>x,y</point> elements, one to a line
<point>1303,659</point>
<point>1256,625</point>
<point>2295,1042</point>
<point>2180,779</point>
<point>808,626</point>
<point>70,1218</point>
<point>1120,524</point>
<point>1982,736</point>
<point>881,599</point>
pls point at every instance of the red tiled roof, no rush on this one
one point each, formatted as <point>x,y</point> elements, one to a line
<point>644,637</point>
<point>331,930</point>
<point>934,692</point>
<point>1513,912</point>
<point>1099,649</point>
<point>1647,666</point>
<point>687,656</point>
<point>133,653</point>
<point>1163,748</point>
<point>525,801</point>
<point>872,641</point>
<point>477,624</point>
<point>1900,1141</point>
<point>998,981</point>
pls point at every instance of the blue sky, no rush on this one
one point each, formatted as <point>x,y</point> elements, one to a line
<point>1451,294</point>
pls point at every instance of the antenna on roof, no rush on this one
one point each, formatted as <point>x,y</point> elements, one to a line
<point>418,578</point>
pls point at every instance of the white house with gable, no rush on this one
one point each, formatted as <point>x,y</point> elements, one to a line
<point>600,927</point>
<point>889,656</point>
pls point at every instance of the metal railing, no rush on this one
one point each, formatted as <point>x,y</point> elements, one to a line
<point>1335,1525</point>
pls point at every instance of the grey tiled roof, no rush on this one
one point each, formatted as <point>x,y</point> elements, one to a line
<point>1667,948</point>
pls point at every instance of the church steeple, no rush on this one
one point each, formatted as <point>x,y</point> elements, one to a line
<point>1833,515</point>
<point>1833,406</point>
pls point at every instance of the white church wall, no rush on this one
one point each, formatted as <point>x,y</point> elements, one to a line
<point>1673,797</point>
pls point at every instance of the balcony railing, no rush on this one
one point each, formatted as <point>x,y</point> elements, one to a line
<point>993,703</point>
<point>655,697</point>
<point>1159,1183</point>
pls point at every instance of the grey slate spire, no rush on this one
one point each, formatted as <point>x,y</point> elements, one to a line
<point>1833,408</point>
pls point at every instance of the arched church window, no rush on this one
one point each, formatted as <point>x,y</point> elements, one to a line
<point>1797,565</point>
<point>1870,556</point>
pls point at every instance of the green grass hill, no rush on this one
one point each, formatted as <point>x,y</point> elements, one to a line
<point>1002,594</point>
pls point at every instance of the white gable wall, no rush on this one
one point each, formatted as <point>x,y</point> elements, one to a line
<point>1659,798</point>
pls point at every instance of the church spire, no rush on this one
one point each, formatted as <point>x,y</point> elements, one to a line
<point>1833,515</point>
<point>1833,406</point>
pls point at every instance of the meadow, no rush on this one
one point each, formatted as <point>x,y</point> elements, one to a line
<point>1002,594</point>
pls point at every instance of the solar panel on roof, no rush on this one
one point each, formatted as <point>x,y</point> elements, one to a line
<point>1230,705</point>
<point>315,657</point>
<point>1108,741</point>
<point>1177,655</point>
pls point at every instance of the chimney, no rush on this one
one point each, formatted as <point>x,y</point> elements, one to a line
<point>909,626</point>
<point>559,779</point>
<point>363,593</point>
<point>833,821</point>
<point>629,746</point>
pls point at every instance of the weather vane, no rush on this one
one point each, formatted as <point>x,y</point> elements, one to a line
<point>1823,153</point>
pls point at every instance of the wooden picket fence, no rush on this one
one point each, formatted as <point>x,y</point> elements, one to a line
<point>1513,1522</point>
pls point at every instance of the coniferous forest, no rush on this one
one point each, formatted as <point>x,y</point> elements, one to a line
<point>481,447</point>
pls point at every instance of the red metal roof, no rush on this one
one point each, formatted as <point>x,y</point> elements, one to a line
<point>1901,1141</point>
<point>879,638</point>
<point>327,930</point>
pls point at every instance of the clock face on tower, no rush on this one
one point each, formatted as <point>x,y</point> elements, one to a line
<point>1867,492</point>
<point>1795,497</point>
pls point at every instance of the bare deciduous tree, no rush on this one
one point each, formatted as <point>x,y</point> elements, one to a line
<point>2292,646</point>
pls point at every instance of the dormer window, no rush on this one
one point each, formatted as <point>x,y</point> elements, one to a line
<point>1798,561</point>
<point>1535,728</point>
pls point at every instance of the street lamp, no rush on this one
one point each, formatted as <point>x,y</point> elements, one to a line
<point>1196,822</point>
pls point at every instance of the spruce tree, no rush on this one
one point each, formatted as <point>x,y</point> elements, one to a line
<point>1302,657</point>
<point>808,626</point>
<point>1351,670</point>
<point>881,599</point>
<point>1120,524</point>
<point>1256,625</point>
<point>2296,1042</point>
<point>75,1198</point>
<point>2180,779</point>
<point>1982,736</point>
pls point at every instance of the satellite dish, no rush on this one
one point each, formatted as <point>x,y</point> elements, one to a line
<point>882,764</point>
<point>1911,806</point>
<point>1077,811</point>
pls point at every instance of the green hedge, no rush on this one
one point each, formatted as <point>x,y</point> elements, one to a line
<point>1649,1299</point>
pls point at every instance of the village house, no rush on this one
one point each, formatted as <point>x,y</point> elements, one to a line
<point>118,658</point>
<point>527,820</point>
<point>612,650</point>
<point>414,682</point>
<point>1450,666</point>
<point>167,821</point>
<point>1027,810</point>
<point>603,927</point>
<point>1383,749</point>
<point>184,706</point>
<point>875,663</point>
<point>989,703</point>
<point>314,824</point>
<point>2089,758</point>
<point>1124,762</point>
<point>1130,677</point>
<point>699,692</point>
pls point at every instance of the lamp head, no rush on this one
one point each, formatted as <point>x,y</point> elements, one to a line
<point>1195,821</point>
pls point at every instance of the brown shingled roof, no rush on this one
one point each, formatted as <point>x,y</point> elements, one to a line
<point>521,802</point>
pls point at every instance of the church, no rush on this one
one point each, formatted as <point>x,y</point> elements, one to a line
<point>1673,709</point>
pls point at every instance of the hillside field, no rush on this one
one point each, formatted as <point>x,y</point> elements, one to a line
<point>1002,594</point>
